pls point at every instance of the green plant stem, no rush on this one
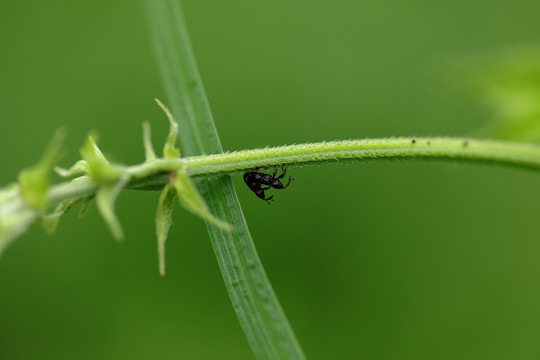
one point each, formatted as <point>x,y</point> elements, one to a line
<point>154,174</point>
<point>456,149</point>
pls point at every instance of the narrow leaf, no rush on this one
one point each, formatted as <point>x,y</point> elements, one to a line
<point>170,150</point>
<point>86,202</point>
<point>80,168</point>
<point>98,166</point>
<point>35,180</point>
<point>16,215</point>
<point>261,317</point>
<point>164,221</point>
<point>106,198</point>
<point>191,200</point>
<point>50,221</point>
<point>147,138</point>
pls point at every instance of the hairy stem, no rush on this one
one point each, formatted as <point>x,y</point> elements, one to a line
<point>458,149</point>
<point>153,174</point>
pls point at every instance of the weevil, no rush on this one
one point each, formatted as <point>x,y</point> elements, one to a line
<point>255,179</point>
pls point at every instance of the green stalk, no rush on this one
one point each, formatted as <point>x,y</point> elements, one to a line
<point>453,149</point>
<point>254,301</point>
<point>153,175</point>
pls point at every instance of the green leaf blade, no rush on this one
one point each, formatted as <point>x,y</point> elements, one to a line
<point>170,150</point>
<point>85,206</point>
<point>79,168</point>
<point>35,180</point>
<point>16,215</point>
<point>149,153</point>
<point>105,199</point>
<point>261,317</point>
<point>164,221</point>
<point>97,166</point>
<point>192,200</point>
<point>50,221</point>
<point>252,296</point>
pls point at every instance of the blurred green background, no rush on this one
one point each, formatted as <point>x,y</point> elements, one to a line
<point>392,260</point>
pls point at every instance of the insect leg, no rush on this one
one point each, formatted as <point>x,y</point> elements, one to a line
<point>283,172</point>
<point>277,183</point>
<point>289,182</point>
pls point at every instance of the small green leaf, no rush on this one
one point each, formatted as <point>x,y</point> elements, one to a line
<point>163,222</point>
<point>50,221</point>
<point>170,150</point>
<point>35,180</point>
<point>98,166</point>
<point>16,214</point>
<point>80,168</point>
<point>86,202</point>
<point>191,200</point>
<point>106,198</point>
<point>148,147</point>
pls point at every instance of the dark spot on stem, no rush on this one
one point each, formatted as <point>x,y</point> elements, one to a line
<point>413,141</point>
<point>428,142</point>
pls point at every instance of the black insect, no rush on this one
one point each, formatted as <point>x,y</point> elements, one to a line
<point>255,179</point>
